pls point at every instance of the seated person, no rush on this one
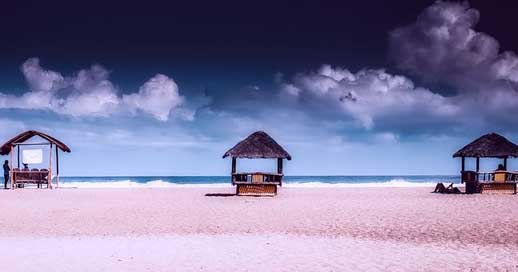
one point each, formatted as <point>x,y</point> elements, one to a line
<point>501,167</point>
<point>500,173</point>
<point>24,175</point>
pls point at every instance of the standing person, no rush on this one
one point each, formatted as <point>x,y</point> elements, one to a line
<point>6,173</point>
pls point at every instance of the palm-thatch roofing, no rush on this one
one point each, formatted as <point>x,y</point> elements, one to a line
<point>258,145</point>
<point>490,145</point>
<point>22,137</point>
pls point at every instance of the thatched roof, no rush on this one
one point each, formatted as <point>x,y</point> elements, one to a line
<point>20,138</point>
<point>490,146</point>
<point>258,145</point>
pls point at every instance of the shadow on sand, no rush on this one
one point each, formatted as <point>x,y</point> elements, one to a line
<point>220,195</point>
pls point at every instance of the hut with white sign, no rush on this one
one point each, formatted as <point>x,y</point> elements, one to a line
<point>33,153</point>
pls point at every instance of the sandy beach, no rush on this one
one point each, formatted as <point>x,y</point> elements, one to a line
<point>303,229</point>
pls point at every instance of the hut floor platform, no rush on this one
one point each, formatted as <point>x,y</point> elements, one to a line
<point>251,189</point>
<point>498,187</point>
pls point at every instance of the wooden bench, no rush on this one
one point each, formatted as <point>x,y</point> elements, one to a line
<point>497,187</point>
<point>35,176</point>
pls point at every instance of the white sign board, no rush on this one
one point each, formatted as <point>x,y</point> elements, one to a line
<point>32,156</point>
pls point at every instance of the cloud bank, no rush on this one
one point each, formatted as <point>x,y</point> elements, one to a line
<point>441,46</point>
<point>368,96</point>
<point>89,92</point>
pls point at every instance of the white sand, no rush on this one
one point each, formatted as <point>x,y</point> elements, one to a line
<point>324,229</point>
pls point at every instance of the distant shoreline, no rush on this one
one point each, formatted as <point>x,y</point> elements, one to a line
<point>224,181</point>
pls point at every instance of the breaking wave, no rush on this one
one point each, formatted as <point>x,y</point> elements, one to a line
<point>222,182</point>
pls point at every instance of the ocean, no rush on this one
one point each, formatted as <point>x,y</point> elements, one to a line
<point>224,181</point>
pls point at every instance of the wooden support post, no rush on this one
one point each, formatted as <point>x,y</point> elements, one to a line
<point>49,178</point>
<point>463,164</point>
<point>18,147</point>
<point>505,163</point>
<point>233,165</point>
<point>279,170</point>
<point>57,167</point>
<point>11,176</point>
<point>478,164</point>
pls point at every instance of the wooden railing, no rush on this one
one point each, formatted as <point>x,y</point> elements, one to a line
<point>502,176</point>
<point>478,182</point>
<point>257,178</point>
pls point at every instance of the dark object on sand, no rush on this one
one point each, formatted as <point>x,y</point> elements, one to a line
<point>220,194</point>
<point>440,188</point>
<point>470,178</point>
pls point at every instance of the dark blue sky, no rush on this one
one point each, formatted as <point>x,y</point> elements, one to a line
<point>370,86</point>
<point>212,43</point>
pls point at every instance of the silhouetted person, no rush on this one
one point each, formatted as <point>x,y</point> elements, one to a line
<point>440,188</point>
<point>6,173</point>
<point>455,190</point>
<point>501,167</point>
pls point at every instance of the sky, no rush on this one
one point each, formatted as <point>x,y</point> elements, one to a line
<point>166,87</point>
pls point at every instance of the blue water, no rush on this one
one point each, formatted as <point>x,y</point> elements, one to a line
<point>302,181</point>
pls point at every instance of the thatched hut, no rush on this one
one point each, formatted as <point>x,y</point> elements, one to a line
<point>258,145</point>
<point>34,176</point>
<point>490,145</point>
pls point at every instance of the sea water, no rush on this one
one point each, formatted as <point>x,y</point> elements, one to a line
<point>224,181</point>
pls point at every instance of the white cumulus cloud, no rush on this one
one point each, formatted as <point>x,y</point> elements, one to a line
<point>158,96</point>
<point>443,46</point>
<point>89,92</point>
<point>367,96</point>
<point>39,79</point>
